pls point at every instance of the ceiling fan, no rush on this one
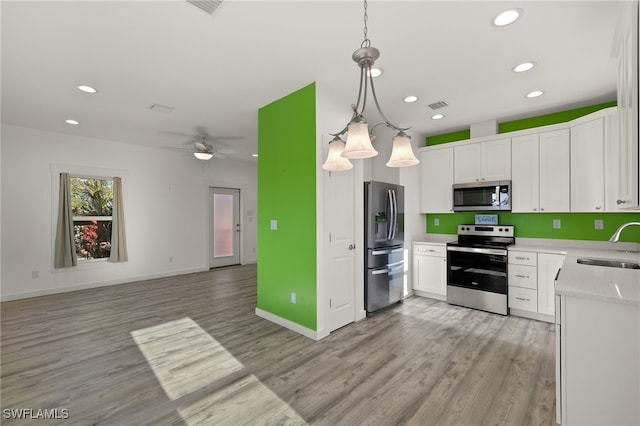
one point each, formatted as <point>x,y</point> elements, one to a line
<point>204,151</point>
<point>203,145</point>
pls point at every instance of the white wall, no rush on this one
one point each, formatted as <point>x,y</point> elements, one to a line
<point>165,201</point>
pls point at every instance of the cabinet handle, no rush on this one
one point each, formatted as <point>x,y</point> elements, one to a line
<point>541,209</point>
<point>431,251</point>
<point>522,276</point>
<point>534,209</point>
<point>522,298</point>
<point>598,207</point>
<point>522,258</point>
<point>621,202</point>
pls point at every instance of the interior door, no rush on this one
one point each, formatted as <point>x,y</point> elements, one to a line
<point>341,269</point>
<point>224,241</point>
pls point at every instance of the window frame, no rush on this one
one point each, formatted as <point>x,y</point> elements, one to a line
<point>85,172</point>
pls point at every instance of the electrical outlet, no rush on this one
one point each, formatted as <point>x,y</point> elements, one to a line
<point>557,224</point>
<point>598,224</point>
<point>274,225</point>
<point>436,222</point>
<point>293,297</point>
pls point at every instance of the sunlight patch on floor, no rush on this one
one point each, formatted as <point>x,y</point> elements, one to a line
<point>184,357</point>
<point>246,401</point>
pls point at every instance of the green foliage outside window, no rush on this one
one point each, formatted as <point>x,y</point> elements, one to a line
<point>92,208</point>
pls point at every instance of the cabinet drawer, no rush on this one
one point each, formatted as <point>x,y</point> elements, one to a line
<point>523,258</point>
<point>523,276</point>
<point>523,298</point>
<point>430,250</point>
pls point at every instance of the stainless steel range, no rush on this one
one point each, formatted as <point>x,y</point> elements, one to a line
<point>477,267</point>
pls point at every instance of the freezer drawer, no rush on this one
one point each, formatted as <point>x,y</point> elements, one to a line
<point>384,286</point>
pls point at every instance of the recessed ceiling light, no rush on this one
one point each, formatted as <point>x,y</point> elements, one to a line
<point>507,17</point>
<point>525,66</point>
<point>86,89</point>
<point>410,99</point>
<point>437,116</point>
<point>72,122</point>
<point>376,72</point>
<point>534,94</point>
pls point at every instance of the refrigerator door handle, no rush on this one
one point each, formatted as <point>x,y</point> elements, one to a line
<point>390,219</point>
<point>393,206</point>
<point>380,271</point>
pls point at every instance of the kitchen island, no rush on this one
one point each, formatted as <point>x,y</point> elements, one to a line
<point>598,340</point>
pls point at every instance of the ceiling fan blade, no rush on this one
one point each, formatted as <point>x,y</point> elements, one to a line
<point>219,155</point>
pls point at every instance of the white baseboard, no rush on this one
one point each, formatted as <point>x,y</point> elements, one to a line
<point>307,332</point>
<point>47,291</point>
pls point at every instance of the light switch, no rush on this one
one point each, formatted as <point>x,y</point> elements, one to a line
<point>274,225</point>
<point>598,224</point>
<point>556,224</point>
<point>436,222</point>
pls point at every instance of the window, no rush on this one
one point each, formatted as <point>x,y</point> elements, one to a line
<point>92,208</point>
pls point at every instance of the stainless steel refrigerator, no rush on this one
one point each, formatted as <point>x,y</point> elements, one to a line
<point>384,239</point>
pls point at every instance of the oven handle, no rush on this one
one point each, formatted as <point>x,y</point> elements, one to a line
<point>478,250</point>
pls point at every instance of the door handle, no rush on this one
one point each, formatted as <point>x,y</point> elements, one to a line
<point>352,246</point>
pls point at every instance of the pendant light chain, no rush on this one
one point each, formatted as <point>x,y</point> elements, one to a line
<point>365,42</point>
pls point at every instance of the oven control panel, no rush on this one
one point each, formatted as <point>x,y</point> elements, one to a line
<point>486,230</point>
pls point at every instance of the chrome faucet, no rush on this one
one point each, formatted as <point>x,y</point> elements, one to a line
<point>616,235</point>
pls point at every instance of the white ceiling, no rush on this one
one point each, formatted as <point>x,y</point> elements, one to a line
<point>217,70</point>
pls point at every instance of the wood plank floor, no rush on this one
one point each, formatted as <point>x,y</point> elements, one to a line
<point>189,350</point>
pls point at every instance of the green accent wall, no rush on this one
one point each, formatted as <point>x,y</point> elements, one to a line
<point>548,119</point>
<point>574,226</point>
<point>287,193</point>
<point>525,123</point>
<point>460,135</point>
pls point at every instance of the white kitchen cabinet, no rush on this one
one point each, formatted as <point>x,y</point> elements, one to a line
<point>430,270</point>
<point>436,180</point>
<point>548,267</point>
<point>531,277</point>
<point>587,166</point>
<point>483,161</point>
<point>597,367</point>
<point>540,172</point>
<point>622,176</point>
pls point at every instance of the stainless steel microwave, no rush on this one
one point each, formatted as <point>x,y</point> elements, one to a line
<point>480,196</point>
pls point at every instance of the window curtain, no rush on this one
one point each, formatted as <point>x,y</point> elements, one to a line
<point>65,251</point>
<point>118,237</point>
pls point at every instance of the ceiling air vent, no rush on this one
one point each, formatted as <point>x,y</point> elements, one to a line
<point>438,105</point>
<point>207,5</point>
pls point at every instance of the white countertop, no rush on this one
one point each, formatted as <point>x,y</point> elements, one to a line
<point>439,239</point>
<point>603,283</point>
<point>608,284</point>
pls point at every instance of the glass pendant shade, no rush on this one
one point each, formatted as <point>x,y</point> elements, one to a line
<point>335,161</point>
<point>203,155</point>
<point>358,141</point>
<point>402,153</point>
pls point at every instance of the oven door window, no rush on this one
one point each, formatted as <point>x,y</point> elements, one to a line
<point>480,271</point>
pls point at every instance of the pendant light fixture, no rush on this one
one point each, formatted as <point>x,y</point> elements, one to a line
<point>358,143</point>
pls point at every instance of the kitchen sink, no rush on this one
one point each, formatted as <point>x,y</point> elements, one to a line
<point>611,263</point>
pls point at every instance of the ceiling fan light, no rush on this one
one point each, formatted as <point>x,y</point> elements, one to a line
<point>402,152</point>
<point>203,155</point>
<point>358,141</point>
<point>335,161</point>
